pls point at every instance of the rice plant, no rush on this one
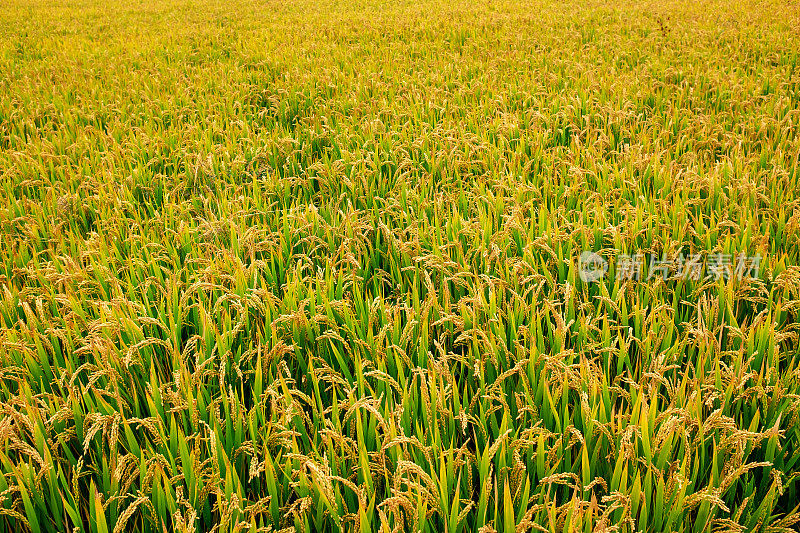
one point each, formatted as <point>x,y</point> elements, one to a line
<point>315,266</point>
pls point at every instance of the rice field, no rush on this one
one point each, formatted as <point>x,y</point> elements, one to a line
<point>317,266</point>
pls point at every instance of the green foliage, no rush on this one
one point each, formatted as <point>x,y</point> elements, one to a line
<point>313,266</point>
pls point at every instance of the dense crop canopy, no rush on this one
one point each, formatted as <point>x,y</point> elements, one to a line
<point>315,265</point>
